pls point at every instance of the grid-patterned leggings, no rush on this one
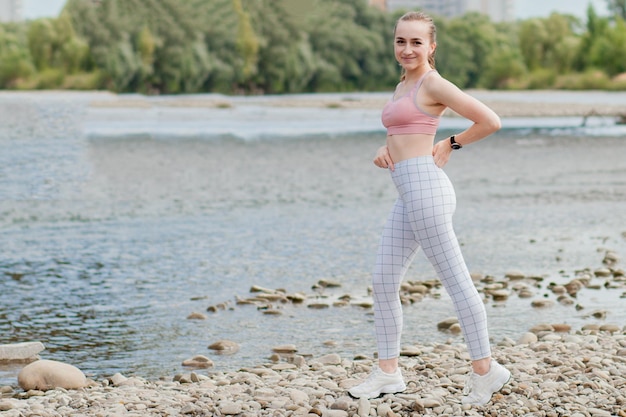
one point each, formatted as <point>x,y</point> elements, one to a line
<point>422,216</point>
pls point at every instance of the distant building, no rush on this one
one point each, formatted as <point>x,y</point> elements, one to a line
<point>10,10</point>
<point>497,10</point>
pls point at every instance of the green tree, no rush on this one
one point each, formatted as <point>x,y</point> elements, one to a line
<point>597,27</point>
<point>464,45</point>
<point>285,59</point>
<point>247,42</point>
<point>53,43</point>
<point>41,42</point>
<point>146,45</point>
<point>505,63</point>
<point>347,52</point>
<point>15,60</point>
<point>617,7</point>
<point>549,43</point>
<point>217,23</point>
<point>288,46</point>
<point>609,51</point>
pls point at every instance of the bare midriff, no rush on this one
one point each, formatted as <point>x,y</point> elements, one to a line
<point>403,147</point>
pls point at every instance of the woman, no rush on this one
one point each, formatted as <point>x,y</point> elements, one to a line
<point>422,214</point>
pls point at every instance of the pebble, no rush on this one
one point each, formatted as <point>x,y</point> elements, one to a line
<point>554,373</point>
<point>224,347</point>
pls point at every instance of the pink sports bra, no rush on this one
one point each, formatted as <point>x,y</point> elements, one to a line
<point>403,116</point>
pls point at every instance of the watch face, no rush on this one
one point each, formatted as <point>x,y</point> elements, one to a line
<point>456,146</point>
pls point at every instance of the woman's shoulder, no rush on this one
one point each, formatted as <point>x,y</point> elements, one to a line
<point>435,82</point>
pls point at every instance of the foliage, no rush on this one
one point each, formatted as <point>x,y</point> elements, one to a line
<point>291,46</point>
<point>618,8</point>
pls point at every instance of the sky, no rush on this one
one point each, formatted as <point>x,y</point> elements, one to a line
<point>542,8</point>
<point>33,9</point>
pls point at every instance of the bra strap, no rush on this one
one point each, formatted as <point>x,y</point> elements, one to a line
<point>421,80</point>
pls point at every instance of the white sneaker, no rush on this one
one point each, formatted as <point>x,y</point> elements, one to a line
<point>378,383</point>
<point>479,388</point>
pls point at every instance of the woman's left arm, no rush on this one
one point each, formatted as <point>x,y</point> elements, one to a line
<point>486,121</point>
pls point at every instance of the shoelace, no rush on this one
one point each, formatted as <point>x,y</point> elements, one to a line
<point>372,376</point>
<point>469,383</point>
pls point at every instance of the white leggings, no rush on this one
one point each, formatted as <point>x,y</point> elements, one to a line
<point>422,216</point>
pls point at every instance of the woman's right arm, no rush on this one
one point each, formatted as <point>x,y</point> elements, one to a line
<point>383,158</point>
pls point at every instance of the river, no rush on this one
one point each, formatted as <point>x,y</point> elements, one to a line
<point>117,223</point>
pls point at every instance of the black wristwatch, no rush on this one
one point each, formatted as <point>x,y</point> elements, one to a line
<point>454,144</point>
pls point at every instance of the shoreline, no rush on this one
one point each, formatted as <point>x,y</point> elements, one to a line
<point>506,103</point>
<point>510,106</point>
<point>575,373</point>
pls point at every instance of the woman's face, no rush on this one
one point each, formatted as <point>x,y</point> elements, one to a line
<point>412,44</point>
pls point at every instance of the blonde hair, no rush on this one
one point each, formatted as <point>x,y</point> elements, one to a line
<point>420,17</point>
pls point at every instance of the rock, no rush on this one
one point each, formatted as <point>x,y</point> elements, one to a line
<point>196,316</point>
<point>6,406</point>
<point>283,366</point>
<point>285,349</point>
<point>542,303</point>
<point>445,324</point>
<point>410,351</point>
<point>230,408</point>
<point>273,297</point>
<point>561,327</point>
<point>416,289</point>
<point>364,304</point>
<point>526,293</point>
<point>118,379</point>
<point>47,374</point>
<point>455,328</point>
<point>384,410</point>
<point>574,286</point>
<point>297,298</point>
<point>544,327</point>
<point>330,359</point>
<point>527,338</point>
<point>298,397</point>
<point>612,328</point>
<point>214,308</point>
<point>272,312</point>
<point>565,300</point>
<point>500,295</point>
<point>326,283</point>
<point>599,314</point>
<point>340,405</point>
<point>602,272</point>
<point>318,306</point>
<point>18,352</point>
<point>431,403</point>
<point>224,347</point>
<point>586,367</point>
<point>363,407</point>
<point>198,361</point>
<point>257,288</point>
<point>514,275</point>
<point>335,413</point>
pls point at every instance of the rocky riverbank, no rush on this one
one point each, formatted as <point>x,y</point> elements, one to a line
<point>576,373</point>
<point>556,370</point>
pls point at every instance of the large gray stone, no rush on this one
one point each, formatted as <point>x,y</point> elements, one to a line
<point>20,351</point>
